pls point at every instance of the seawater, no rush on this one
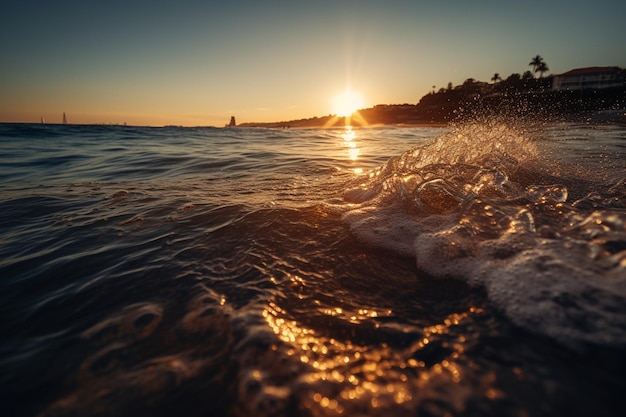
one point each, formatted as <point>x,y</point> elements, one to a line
<point>478,269</point>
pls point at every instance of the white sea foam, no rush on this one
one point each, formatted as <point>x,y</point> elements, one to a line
<point>480,205</point>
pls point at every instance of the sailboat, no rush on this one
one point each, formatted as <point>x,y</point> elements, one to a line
<point>64,118</point>
<point>232,122</point>
<point>43,122</point>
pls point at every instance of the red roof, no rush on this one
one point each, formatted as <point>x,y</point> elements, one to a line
<point>591,70</point>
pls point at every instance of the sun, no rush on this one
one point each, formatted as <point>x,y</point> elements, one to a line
<point>347,103</point>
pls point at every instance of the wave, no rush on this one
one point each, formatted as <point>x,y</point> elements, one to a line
<point>488,204</point>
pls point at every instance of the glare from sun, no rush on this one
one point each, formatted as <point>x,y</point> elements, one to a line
<point>347,103</point>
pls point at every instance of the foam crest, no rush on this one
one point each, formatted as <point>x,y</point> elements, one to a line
<point>478,204</point>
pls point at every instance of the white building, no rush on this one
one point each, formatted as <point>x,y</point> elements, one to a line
<point>591,77</point>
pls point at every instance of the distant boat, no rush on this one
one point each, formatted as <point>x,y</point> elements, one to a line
<point>43,122</point>
<point>232,122</point>
<point>64,118</point>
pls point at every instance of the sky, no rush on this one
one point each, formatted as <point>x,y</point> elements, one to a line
<point>196,63</point>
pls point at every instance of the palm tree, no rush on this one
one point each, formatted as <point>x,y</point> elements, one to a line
<point>496,77</point>
<point>543,67</point>
<point>539,65</point>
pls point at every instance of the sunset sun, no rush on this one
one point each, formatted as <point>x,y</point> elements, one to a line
<point>347,103</point>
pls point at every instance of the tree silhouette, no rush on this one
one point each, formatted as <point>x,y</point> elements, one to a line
<point>496,77</point>
<point>539,65</point>
<point>541,68</point>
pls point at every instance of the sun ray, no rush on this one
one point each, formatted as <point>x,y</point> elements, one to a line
<point>345,109</point>
<point>346,103</point>
<point>358,118</point>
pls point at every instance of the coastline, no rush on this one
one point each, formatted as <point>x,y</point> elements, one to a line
<point>439,109</point>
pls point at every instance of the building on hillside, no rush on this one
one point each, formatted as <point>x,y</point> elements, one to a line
<point>589,78</point>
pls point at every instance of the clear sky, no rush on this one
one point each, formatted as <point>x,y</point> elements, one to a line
<point>192,62</point>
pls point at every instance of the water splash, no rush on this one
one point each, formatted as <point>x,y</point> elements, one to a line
<point>483,203</point>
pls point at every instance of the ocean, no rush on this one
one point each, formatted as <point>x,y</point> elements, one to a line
<point>471,270</point>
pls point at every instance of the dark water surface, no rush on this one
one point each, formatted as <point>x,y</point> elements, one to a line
<point>470,271</point>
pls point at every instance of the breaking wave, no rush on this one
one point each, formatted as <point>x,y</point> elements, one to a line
<point>485,204</point>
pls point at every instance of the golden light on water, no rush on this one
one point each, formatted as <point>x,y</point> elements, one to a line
<point>348,135</point>
<point>343,372</point>
<point>349,140</point>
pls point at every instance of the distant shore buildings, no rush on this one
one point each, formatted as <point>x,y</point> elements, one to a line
<point>589,78</point>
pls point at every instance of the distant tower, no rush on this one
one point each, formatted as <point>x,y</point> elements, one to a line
<point>232,122</point>
<point>64,118</point>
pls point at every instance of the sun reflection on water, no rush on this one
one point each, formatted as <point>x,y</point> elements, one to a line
<point>342,373</point>
<point>349,141</point>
